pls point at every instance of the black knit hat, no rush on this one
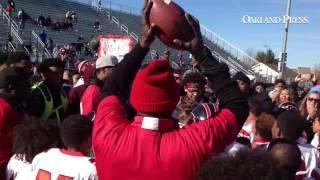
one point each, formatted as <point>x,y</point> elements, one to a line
<point>13,75</point>
<point>241,76</point>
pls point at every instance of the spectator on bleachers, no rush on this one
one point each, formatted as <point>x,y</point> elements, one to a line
<point>11,6</point>
<point>74,16</point>
<point>96,26</point>
<point>68,15</point>
<point>57,26</point>
<point>49,44</point>
<point>48,22</point>
<point>41,21</point>
<point>43,36</point>
<point>22,16</point>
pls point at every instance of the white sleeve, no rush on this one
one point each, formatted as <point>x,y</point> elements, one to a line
<point>9,170</point>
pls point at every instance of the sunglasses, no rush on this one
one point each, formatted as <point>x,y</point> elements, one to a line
<point>313,99</point>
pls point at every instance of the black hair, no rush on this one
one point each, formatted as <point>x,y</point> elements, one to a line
<point>74,130</point>
<point>254,106</point>
<point>280,81</point>
<point>286,155</point>
<point>291,125</point>
<point>244,141</point>
<point>44,66</point>
<point>16,57</point>
<point>3,58</point>
<point>245,165</point>
<point>194,77</point>
<point>34,136</point>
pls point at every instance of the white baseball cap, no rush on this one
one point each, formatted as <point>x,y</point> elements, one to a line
<point>106,61</point>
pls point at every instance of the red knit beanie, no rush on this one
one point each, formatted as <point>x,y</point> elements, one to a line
<point>154,89</point>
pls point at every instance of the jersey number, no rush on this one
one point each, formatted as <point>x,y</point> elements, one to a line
<point>45,175</point>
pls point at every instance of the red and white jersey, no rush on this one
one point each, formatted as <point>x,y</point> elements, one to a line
<point>16,167</point>
<point>247,131</point>
<point>58,164</point>
<point>309,161</point>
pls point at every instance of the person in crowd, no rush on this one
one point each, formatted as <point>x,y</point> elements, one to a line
<point>68,15</point>
<point>309,107</point>
<point>262,131</point>
<point>259,88</point>
<point>22,16</point>
<point>41,20</point>
<point>286,156</point>
<point>255,110</point>
<point>316,130</point>
<point>87,72</point>
<point>43,36</point>
<point>11,3</point>
<point>10,9</point>
<point>19,59</point>
<point>178,76</point>
<point>154,95</point>
<point>91,97</point>
<point>289,125</point>
<point>49,44</point>
<point>96,26</point>
<point>284,96</point>
<point>72,161</point>
<point>14,91</point>
<point>56,26</point>
<point>257,165</point>
<point>194,87</point>
<point>48,21</point>
<point>45,135</point>
<point>278,85</point>
<point>3,60</point>
<point>243,82</point>
<point>49,100</point>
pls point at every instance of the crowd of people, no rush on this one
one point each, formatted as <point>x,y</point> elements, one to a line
<point>121,119</point>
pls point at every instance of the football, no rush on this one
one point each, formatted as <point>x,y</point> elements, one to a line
<point>169,17</point>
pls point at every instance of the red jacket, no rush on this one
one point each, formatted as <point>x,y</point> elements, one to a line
<point>154,149</point>
<point>90,100</point>
<point>9,118</point>
<point>128,151</point>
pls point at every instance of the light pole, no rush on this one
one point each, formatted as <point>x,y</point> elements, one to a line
<point>283,56</point>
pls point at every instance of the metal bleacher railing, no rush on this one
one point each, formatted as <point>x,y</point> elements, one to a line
<point>14,32</point>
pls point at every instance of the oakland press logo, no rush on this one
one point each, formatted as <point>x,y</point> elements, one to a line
<point>274,20</point>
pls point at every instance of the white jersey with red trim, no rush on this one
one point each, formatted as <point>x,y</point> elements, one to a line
<point>247,131</point>
<point>57,164</point>
<point>310,159</point>
<point>16,167</point>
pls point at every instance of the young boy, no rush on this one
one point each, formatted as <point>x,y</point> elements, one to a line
<point>71,162</point>
<point>29,139</point>
<point>262,131</point>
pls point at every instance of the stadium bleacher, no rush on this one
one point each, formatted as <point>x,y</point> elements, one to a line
<point>111,21</point>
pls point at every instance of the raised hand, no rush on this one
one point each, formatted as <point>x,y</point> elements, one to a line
<point>149,30</point>
<point>195,46</point>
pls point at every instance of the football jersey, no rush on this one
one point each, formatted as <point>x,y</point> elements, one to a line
<point>247,131</point>
<point>16,167</point>
<point>58,164</point>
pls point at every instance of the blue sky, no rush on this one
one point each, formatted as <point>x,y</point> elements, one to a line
<point>225,18</point>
